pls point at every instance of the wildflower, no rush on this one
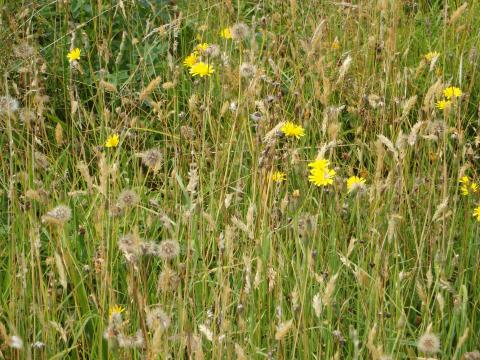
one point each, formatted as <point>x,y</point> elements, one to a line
<point>335,44</point>
<point>292,130</point>
<point>452,92</point>
<point>319,164</point>
<point>443,104</point>
<point>239,31</point>
<point>322,177</point>
<point>430,56</point>
<point>190,60</point>
<point>428,343</point>
<point>74,54</point>
<point>278,176</point>
<point>115,310</point>
<point>247,70</point>
<point>112,141</point>
<point>226,33</point>
<point>201,69</point>
<point>152,159</point>
<point>127,198</point>
<point>355,183</point>
<point>200,48</point>
<point>8,105</point>
<point>169,249</point>
<point>476,213</point>
<point>59,215</point>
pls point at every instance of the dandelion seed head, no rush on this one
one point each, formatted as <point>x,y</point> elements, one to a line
<point>428,343</point>
<point>127,199</point>
<point>59,215</point>
<point>168,249</point>
<point>247,70</point>
<point>157,319</point>
<point>8,105</point>
<point>239,31</point>
<point>152,159</point>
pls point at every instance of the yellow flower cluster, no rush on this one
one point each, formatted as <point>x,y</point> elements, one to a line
<point>450,93</point>
<point>195,65</point>
<point>467,186</point>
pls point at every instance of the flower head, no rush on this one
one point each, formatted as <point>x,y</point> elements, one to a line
<point>428,343</point>
<point>355,183</point>
<point>430,56</point>
<point>226,33</point>
<point>476,213</point>
<point>452,92</point>
<point>443,104</point>
<point>152,159</point>
<point>74,54</point>
<point>319,164</point>
<point>201,69</point>
<point>321,177</point>
<point>8,105</point>
<point>190,60</point>
<point>112,141</point>
<point>200,48</point>
<point>278,176</point>
<point>292,130</point>
<point>335,44</point>
<point>247,70</point>
<point>115,310</point>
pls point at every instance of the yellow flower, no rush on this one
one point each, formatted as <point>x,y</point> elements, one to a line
<point>112,141</point>
<point>292,130</point>
<point>201,69</point>
<point>355,183</point>
<point>319,164</point>
<point>464,180</point>
<point>278,176</point>
<point>321,177</point>
<point>115,309</point>
<point>431,55</point>
<point>474,187</point>
<point>226,33</point>
<point>476,213</point>
<point>201,47</point>
<point>191,60</point>
<point>452,92</point>
<point>74,54</point>
<point>443,104</point>
<point>335,44</point>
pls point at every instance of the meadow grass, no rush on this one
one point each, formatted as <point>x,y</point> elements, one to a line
<point>151,214</point>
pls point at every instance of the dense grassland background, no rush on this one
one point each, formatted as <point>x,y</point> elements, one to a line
<point>265,269</point>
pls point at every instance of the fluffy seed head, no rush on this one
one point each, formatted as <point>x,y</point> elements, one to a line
<point>127,199</point>
<point>169,249</point>
<point>239,31</point>
<point>152,159</point>
<point>428,343</point>
<point>157,319</point>
<point>59,215</point>
<point>247,70</point>
<point>8,105</point>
